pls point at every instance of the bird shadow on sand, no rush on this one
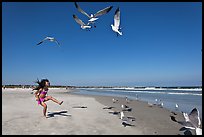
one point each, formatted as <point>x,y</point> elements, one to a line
<point>125,123</point>
<point>60,113</point>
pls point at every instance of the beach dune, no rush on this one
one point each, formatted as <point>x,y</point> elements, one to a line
<point>80,115</point>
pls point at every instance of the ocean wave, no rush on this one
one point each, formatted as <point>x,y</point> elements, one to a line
<point>186,94</point>
<point>171,92</point>
<point>152,88</point>
<point>159,92</point>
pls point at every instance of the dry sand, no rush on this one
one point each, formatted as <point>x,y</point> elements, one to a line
<point>21,115</point>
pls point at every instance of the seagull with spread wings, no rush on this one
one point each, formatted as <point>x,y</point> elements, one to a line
<point>192,121</point>
<point>93,17</point>
<point>116,25</point>
<point>81,23</point>
<point>52,39</point>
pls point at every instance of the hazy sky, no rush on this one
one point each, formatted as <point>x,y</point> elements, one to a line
<point>160,46</point>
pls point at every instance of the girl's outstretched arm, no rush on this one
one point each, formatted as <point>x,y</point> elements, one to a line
<point>37,94</point>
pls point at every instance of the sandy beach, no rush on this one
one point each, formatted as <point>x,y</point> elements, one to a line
<point>82,115</point>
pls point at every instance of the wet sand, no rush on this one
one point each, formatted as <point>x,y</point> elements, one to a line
<point>81,115</point>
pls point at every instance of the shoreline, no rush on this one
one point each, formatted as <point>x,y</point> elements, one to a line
<point>21,115</point>
<point>152,120</point>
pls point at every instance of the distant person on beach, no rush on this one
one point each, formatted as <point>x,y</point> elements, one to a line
<point>41,92</point>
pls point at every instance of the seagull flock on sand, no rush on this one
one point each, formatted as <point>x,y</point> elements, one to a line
<point>191,121</point>
<point>125,120</point>
<point>92,18</point>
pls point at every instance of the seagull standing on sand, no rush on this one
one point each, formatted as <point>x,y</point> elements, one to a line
<point>162,104</point>
<point>80,22</point>
<point>122,115</point>
<point>93,17</point>
<point>116,25</point>
<point>114,100</point>
<point>126,108</point>
<point>126,99</point>
<point>136,97</point>
<point>150,104</point>
<point>192,121</point>
<point>52,39</point>
<point>176,106</point>
<point>156,101</point>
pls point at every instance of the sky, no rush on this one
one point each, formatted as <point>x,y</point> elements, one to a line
<point>161,44</point>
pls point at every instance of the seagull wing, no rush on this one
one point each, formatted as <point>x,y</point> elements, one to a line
<point>194,117</point>
<point>40,43</point>
<point>57,42</point>
<point>78,20</point>
<point>80,10</point>
<point>117,18</point>
<point>187,124</point>
<point>43,40</point>
<point>49,38</point>
<point>103,11</point>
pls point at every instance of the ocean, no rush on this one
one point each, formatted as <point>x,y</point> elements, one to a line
<point>187,99</point>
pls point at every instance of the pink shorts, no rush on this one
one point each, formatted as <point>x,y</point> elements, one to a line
<point>40,100</point>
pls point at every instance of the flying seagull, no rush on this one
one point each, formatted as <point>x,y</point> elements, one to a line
<point>93,17</point>
<point>116,25</point>
<point>80,22</point>
<point>52,39</point>
<point>192,121</point>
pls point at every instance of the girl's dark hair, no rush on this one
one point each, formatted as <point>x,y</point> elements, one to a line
<point>41,84</point>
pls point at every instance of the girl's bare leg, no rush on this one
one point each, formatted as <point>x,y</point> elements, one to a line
<point>53,99</point>
<point>44,108</point>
